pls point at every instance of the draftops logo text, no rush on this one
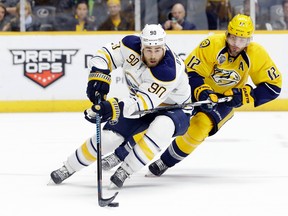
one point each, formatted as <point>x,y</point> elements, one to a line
<point>43,66</point>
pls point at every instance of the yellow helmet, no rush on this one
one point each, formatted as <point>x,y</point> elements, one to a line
<point>241,25</point>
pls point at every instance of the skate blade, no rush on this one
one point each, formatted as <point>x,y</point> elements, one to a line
<point>51,182</point>
<point>150,175</point>
<point>112,186</point>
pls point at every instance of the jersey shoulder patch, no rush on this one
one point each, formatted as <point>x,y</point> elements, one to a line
<point>133,42</point>
<point>213,40</point>
<point>165,71</point>
<point>205,43</point>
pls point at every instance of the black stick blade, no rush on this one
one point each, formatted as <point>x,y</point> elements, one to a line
<point>105,202</point>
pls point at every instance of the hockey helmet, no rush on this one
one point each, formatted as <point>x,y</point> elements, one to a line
<point>153,35</point>
<point>241,25</point>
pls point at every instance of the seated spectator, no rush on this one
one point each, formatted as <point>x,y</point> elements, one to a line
<point>116,20</point>
<point>176,19</point>
<point>164,8</point>
<point>84,21</point>
<point>79,20</point>
<point>31,23</point>
<point>3,17</point>
<point>10,7</point>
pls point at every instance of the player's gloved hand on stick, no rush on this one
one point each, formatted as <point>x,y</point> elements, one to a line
<point>107,110</point>
<point>98,84</point>
<point>240,96</point>
<point>205,92</point>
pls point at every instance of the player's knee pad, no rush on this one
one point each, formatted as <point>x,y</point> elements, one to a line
<point>200,126</point>
<point>180,119</point>
<point>160,131</point>
<point>109,139</point>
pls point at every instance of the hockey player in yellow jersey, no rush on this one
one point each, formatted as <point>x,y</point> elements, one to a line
<point>221,65</point>
<point>154,74</point>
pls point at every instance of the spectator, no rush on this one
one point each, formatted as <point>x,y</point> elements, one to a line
<point>116,20</point>
<point>78,20</point>
<point>81,21</point>
<point>219,13</point>
<point>164,8</point>
<point>176,19</point>
<point>10,7</point>
<point>31,23</point>
<point>3,17</point>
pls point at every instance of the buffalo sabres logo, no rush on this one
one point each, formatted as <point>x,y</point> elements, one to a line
<point>132,82</point>
<point>205,43</point>
<point>225,77</point>
<point>221,59</point>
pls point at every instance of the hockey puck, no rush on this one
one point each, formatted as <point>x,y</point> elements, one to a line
<point>114,204</point>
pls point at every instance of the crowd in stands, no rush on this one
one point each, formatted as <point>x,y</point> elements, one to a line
<point>119,15</point>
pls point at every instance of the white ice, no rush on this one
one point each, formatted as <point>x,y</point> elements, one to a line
<point>242,170</point>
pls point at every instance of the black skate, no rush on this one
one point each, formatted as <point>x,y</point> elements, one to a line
<point>158,167</point>
<point>119,177</point>
<point>59,175</point>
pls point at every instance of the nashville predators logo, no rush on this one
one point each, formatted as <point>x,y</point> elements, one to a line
<point>225,77</point>
<point>205,43</point>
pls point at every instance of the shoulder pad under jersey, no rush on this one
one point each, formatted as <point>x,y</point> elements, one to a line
<point>166,69</point>
<point>133,42</point>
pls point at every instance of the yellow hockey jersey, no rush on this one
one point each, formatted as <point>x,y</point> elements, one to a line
<point>211,63</point>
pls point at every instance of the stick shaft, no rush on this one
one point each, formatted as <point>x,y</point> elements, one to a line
<point>179,106</point>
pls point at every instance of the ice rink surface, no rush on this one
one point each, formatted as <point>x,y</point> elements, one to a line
<point>242,170</point>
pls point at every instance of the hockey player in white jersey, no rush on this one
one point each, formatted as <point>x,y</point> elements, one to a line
<point>154,75</point>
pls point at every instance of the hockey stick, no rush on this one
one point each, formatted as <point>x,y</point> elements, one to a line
<point>101,201</point>
<point>180,106</point>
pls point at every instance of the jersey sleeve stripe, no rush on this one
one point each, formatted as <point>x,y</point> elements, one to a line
<point>110,56</point>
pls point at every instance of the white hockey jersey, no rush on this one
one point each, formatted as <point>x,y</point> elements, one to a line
<point>166,83</point>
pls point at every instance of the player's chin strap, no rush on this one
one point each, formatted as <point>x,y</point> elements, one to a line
<point>180,106</point>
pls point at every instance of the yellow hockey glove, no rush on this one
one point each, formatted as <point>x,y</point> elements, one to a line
<point>240,96</point>
<point>205,92</point>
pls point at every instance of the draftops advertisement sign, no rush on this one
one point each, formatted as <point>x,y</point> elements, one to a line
<point>43,67</point>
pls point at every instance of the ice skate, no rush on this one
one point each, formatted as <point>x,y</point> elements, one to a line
<point>59,175</point>
<point>157,168</point>
<point>118,178</point>
<point>110,162</point>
